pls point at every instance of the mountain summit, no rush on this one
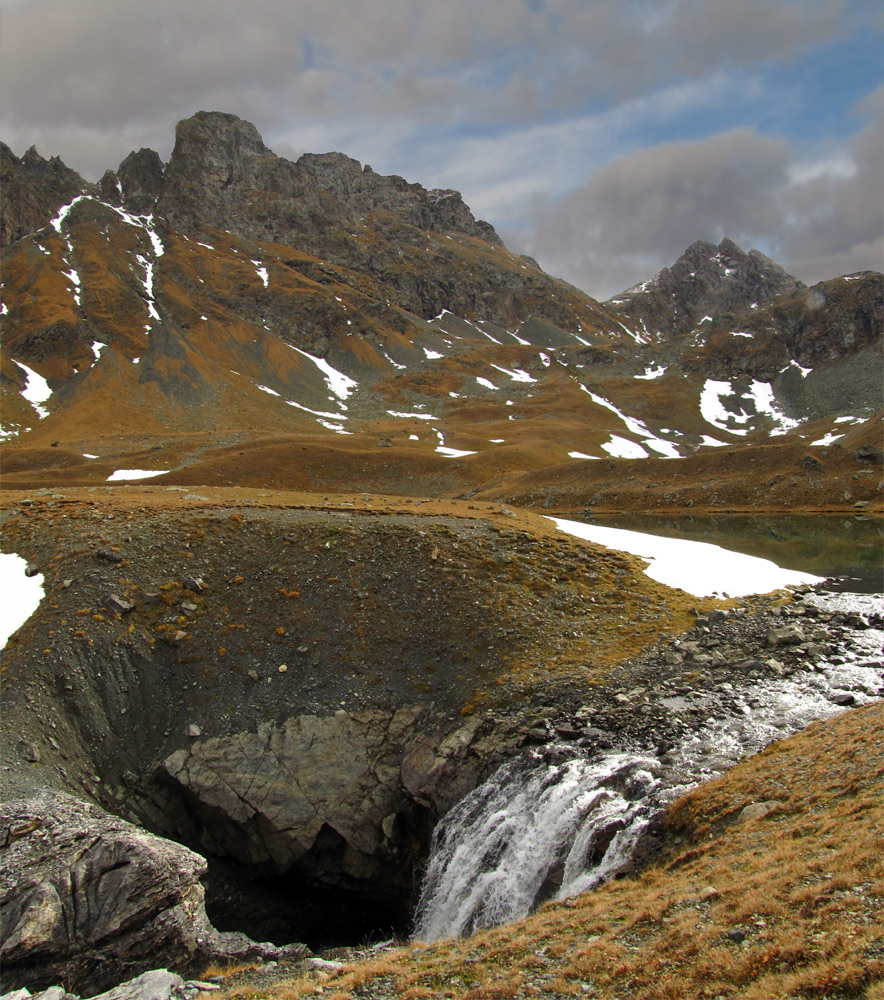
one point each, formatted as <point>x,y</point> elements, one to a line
<point>705,280</point>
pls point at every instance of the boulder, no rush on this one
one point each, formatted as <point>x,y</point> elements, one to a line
<point>785,635</point>
<point>89,899</point>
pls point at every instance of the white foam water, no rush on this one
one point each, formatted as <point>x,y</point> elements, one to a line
<point>531,832</point>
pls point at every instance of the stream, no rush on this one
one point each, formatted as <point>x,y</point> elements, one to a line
<point>558,820</point>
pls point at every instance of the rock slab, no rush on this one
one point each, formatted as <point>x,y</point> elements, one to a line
<point>89,899</point>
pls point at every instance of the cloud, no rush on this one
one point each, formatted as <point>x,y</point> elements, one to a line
<point>836,217</point>
<point>820,217</point>
<point>641,211</point>
<point>79,68</point>
<point>513,102</point>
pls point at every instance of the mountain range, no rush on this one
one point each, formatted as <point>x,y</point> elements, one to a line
<point>234,318</point>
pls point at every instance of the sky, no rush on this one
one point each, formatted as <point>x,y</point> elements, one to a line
<point>601,137</point>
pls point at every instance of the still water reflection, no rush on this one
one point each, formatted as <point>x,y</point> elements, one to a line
<point>849,549</point>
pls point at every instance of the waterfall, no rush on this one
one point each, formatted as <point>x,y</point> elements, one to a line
<point>537,829</point>
<point>555,822</point>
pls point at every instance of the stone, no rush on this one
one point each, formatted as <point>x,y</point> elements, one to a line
<point>735,935</point>
<point>870,454</point>
<point>116,604</point>
<point>785,635</point>
<point>324,965</point>
<point>108,555</point>
<point>157,984</point>
<point>756,810</point>
<point>53,993</point>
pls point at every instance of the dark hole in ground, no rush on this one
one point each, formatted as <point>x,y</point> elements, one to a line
<point>286,908</point>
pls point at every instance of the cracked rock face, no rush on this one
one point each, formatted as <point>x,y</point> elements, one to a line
<point>345,800</point>
<point>82,890</point>
<point>282,784</point>
<point>88,899</point>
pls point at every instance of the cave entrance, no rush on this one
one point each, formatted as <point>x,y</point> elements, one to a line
<point>286,908</point>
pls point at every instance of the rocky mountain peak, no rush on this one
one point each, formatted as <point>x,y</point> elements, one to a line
<point>32,189</point>
<point>365,191</point>
<point>137,183</point>
<point>706,280</point>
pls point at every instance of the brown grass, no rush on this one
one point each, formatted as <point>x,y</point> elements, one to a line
<point>803,884</point>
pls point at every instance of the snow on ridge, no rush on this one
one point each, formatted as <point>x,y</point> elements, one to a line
<point>338,383</point>
<point>412,416</point>
<point>125,474</point>
<point>763,397</point>
<point>830,438</point>
<point>443,449</point>
<point>516,374</point>
<point>36,390</point>
<point>712,410</point>
<point>64,212</point>
<point>621,447</point>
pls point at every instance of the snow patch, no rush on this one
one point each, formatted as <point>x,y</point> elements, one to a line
<point>653,371</point>
<point>36,390</point>
<point>21,594</point>
<point>516,374</point>
<point>414,416</point>
<point>699,568</point>
<point>339,383</point>
<point>121,474</point>
<point>620,447</point>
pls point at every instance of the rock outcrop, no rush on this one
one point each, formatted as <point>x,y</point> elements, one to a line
<point>32,190</point>
<point>706,280</point>
<point>89,899</point>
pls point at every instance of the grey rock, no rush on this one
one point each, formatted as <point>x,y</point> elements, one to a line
<point>756,810</point>
<point>869,453</point>
<point>705,280</point>
<point>53,993</point>
<point>91,899</point>
<point>157,984</point>
<point>116,604</point>
<point>785,635</point>
<point>33,191</point>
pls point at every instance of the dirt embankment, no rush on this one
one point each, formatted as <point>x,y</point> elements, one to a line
<point>186,635</point>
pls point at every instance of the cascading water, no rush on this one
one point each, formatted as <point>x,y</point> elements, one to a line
<point>530,833</point>
<point>555,822</point>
